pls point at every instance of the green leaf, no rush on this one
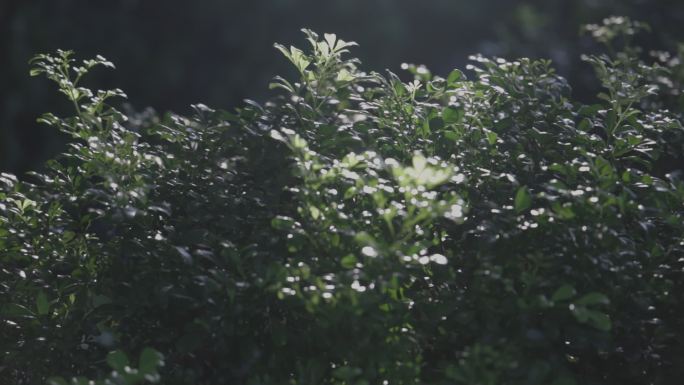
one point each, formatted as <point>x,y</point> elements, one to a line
<point>455,76</point>
<point>351,191</point>
<point>331,39</point>
<point>599,320</point>
<point>315,212</point>
<point>348,261</point>
<point>419,162</point>
<point>42,303</point>
<point>492,137</point>
<point>295,55</point>
<point>150,360</point>
<point>563,293</point>
<point>452,115</point>
<point>283,50</point>
<point>281,83</point>
<point>593,299</point>
<point>611,120</point>
<point>68,236</point>
<point>346,373</point>
<point>523,200</point>
<point>117,360</point>
<point>580,312</point>
<point>344,76</point>
<point>584,125</point>
<point>564,211</point>
<point>16,310</point>
<point>56,381</point>
<point>282,223</point>
<point>399,88</point>
<point>452,135</point>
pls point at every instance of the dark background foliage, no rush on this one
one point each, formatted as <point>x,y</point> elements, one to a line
<point>173,53</point>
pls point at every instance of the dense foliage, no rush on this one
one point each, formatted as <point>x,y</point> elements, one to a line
<point>212,51</point>
<point>483,229</point>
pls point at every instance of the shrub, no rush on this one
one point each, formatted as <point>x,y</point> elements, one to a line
<point>358,229</point>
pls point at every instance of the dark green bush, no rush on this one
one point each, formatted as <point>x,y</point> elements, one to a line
<point>358,229</point>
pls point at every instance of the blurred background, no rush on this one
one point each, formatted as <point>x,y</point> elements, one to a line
<point>173,53</point>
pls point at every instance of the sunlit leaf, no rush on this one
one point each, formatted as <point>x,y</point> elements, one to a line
<point>523,200</point>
